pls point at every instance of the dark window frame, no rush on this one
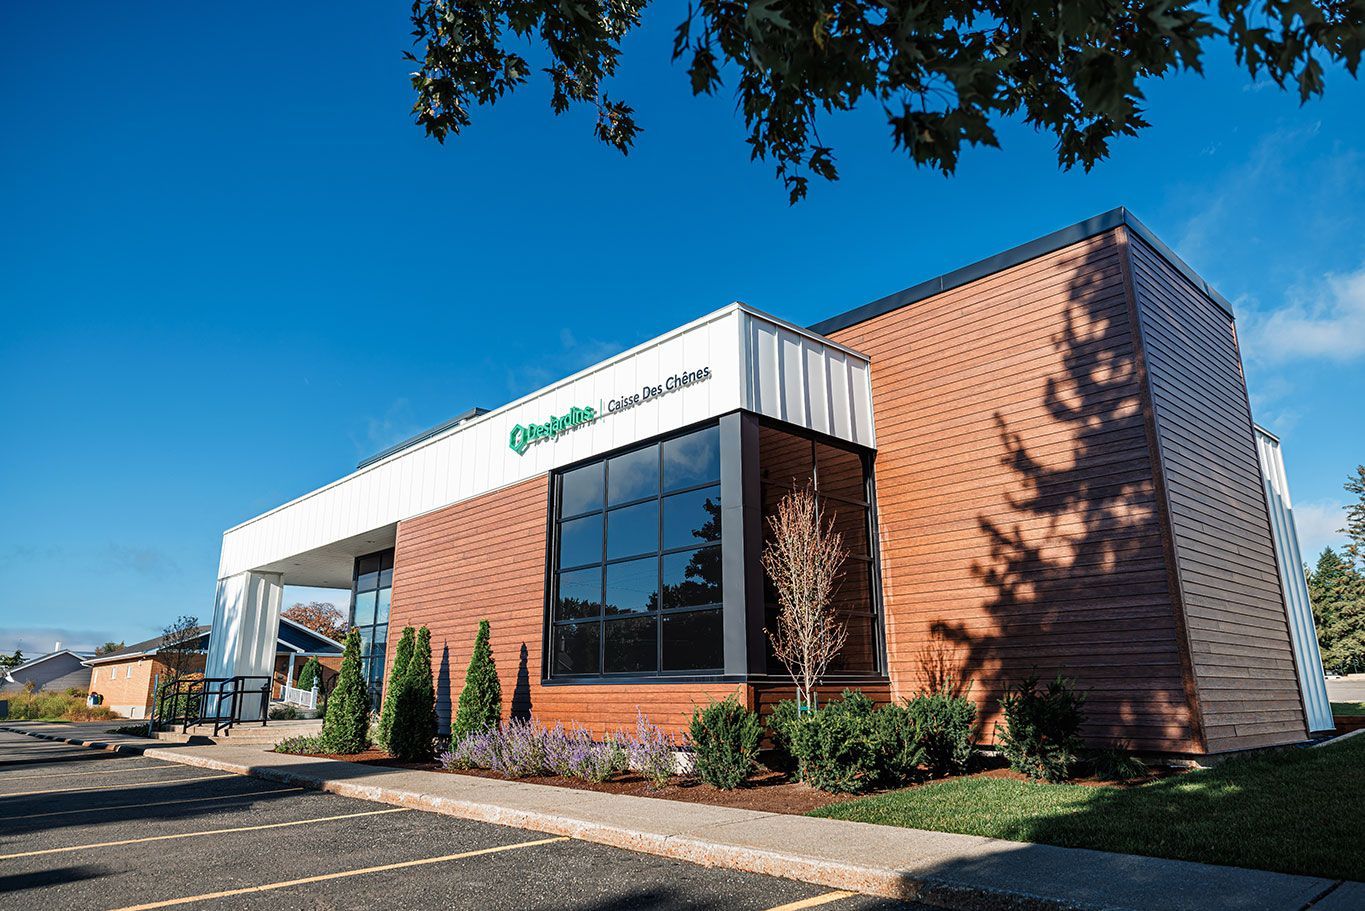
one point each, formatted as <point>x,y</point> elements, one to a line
<point>374,680</point>
<point>740,546</point>
<point>602,618</point>
<point>872,559</point>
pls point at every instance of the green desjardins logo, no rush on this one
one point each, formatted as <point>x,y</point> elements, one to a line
<point>522,437</point>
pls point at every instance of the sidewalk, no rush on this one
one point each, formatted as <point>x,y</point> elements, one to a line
<point>947,870</point>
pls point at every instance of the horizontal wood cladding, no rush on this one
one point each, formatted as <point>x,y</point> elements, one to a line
<point>484,559</point>
<point>1234,608</point>
<point>1017,504</point>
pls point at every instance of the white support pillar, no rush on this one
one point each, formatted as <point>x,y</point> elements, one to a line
<point>1298,609</point>
<point>246,623</point>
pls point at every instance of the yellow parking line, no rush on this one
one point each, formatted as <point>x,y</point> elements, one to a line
<point>814,901</point>
<point>143,768</point>
<point>118,787</point>
<point>136,841</point>
<point>155,803</point>
<point>345,873</point>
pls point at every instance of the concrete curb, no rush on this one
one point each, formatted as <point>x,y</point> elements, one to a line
<point>959,892</point>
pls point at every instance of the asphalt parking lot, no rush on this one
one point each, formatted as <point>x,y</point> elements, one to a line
<point>89,829</point>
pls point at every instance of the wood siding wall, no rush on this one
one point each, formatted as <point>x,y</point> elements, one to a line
<point>485,559</point>
<point>1240,648</point>
<point>1016,499</point>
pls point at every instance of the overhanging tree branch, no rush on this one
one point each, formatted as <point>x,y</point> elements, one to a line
<point>942,71</point>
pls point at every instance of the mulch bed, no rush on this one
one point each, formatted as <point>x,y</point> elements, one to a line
<point>767,792</point>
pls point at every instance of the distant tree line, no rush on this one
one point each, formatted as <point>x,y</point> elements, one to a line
<point>1336,586</point>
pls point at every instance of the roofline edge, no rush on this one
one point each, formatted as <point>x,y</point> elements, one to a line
<point>1014,256</point>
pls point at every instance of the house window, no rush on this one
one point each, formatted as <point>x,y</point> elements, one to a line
<point>370,596</point>
<point>637,562</point>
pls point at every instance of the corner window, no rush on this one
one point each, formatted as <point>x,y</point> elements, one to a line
<point>637,562</point>
<point>841,478</point>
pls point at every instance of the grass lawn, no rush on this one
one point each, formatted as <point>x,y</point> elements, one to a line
<point>1292,810</point>
<point>1348,708</point>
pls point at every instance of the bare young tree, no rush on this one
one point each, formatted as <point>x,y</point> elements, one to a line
<point>804,559</point>
<point>178,646</point>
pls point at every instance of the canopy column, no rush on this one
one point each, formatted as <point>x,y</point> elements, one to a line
<point>246,622</point>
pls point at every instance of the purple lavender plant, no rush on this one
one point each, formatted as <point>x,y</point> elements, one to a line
<point>522,749</point>
<point>651,751</point>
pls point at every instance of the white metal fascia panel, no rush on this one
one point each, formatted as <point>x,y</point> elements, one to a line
<point>1298,607</point>
<point>755,362</point>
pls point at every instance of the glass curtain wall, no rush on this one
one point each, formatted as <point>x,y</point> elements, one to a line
<point>370,597</point>
<point>637,562</point>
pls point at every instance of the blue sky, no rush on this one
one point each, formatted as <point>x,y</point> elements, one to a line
<point>230,267</point>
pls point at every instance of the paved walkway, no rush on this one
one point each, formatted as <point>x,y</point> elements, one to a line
<point>942,869</point>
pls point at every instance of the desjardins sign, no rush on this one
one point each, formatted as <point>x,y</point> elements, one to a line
<point>523,435</point>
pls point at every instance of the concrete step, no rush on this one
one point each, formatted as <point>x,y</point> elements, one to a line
<point>253,734</point>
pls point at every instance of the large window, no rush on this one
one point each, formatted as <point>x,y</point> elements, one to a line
<point>637,564</point>
<point>840,478</point>
<point>370,615</point>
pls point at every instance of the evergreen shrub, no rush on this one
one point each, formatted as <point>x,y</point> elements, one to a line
<point>480,704</point>
<point>725,737</point>
<point>346,726</point>
<point>311,674</point>
<point>413,726</point>
<point>1040,735</point>
<point>402,654</point>
<point>945,727</point>
<point>849,745</point>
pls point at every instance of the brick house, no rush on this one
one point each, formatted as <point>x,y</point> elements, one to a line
<point>127,678</point>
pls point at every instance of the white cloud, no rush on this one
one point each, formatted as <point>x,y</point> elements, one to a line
<point>1323,321</point>
<point>1317,523</point>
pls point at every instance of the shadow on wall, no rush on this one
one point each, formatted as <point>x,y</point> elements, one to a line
<point>521,693</point>
<point>1074,568</point>
<point>443,712</point>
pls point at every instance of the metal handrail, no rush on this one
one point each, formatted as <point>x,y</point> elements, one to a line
<point>195,702</point>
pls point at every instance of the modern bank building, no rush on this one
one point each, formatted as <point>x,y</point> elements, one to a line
<point>1041,463</point>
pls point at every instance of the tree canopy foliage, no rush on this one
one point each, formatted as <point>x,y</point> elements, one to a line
<point>1337,591</point>
<point>321,617</point>
<point>943,73</point>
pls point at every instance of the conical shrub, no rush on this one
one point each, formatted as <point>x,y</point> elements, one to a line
<point>346,727</point>
<point>481,699</point>
<point>401,655</point>
<point>311,674</point>
<point>414,704</point>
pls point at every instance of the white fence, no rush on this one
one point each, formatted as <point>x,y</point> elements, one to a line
<point>306,699</point>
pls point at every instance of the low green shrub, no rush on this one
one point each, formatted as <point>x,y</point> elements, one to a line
<point>304,744</point>
<point>945,728</point>
<point>1040,735</point>
<point>725,738</point>
<point>898,740</point>
<point>780,723</point>
<point>849,745</point>
<point>1116,763</point>
<point>283,711</point>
